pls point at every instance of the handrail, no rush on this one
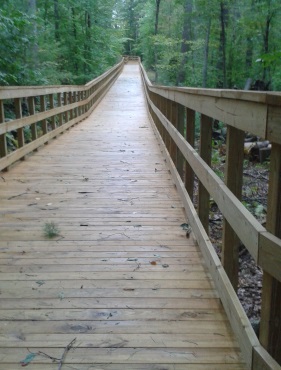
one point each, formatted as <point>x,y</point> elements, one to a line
<point>56,108</point>
<point>173,112</point>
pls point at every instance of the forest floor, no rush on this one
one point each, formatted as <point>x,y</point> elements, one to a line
<point>254,197</point>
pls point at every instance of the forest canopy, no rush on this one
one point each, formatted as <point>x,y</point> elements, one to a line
<point>203,43</point>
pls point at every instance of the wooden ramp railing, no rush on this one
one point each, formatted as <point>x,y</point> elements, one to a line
<point>53,109</point>
<point>173,110</point>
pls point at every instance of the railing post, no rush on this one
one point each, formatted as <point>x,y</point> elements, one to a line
<point>234,181</point>
<point>270,326</point>
<point>20,132</point>
<point>65,102</point>
<point>52,105</point>
<point>190,138</point>
<point>43,109</point>
<point>180,127</point>
<point>70,99</point>
<point>31,109</point>
<point>3,141</point>
<point>206,155</point>
<point>174,121</point>
<point>61,114</point>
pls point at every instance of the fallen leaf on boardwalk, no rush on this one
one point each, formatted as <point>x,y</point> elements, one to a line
<point>28,359</point>
<point>128,289</point>
<point>132,259</point>
<point>61,295</point>
<point>153,263</point>
<point>165,266</point>
<point>40,282</point>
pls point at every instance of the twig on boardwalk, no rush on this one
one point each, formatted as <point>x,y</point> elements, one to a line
<point>54,359</point>
<point>67,348</point>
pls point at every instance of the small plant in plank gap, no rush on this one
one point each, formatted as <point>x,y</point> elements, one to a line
<point>51,230</point>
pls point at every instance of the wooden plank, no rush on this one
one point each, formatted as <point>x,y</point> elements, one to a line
<point>205,152</point>
<point>244,115</point>
<point>140,367</point>
<point>270,254</point>
<point>43,109</point>
<point>129,355</point>
<point>274,124</point>
<point>234,180</point>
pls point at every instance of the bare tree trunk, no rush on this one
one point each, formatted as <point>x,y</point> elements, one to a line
<point>32,9</point>
<point>186,37</point>
<point>206,54</point>
<point>57,20</point>
<point>156,33</point>
<point>222,49</point>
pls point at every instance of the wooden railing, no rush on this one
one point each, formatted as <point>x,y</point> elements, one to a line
<point>173,111</point>
<point>49,110</point>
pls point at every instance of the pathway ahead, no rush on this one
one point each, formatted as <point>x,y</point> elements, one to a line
<point>121,277</point>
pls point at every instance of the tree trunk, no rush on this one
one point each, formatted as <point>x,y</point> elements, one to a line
<point>222,49</point>
<point>156,33</point>
<point>32,9</point>
<point>57,20</point>
<point>186,38</point>
<point>206,53</point>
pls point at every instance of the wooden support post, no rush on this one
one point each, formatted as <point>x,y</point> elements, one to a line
<point>81,99</point>
<point>70,99</point>
<point>234,181</point>
<point>206,155</point>
<point>65,102</point>
<point>270,326</point>
<point>169,117</point>
<point>33,126</point>
<point>174,121</point>
<point>61,114</point>
<point>3,141</point>
<point>190,138</point>
<point>180,124</point>
<point>20,132</point>
<point>75,110</point>
<point>43,109</point>
<point>52,105</point>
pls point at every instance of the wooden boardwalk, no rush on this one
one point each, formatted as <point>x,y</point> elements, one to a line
<point>121,277</point>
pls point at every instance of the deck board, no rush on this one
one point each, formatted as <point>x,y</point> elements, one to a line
<point>121,277</point>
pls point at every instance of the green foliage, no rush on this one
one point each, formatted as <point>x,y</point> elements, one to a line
<point>51,230</point>
<point>71,42</point>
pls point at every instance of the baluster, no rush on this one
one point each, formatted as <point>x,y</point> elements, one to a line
<point>190,138</point>
<point>180,124</point>
<point>3,141</point>
<point>20,132</point>
<point>234,181</point>
<point>33,126</point>
<point>59,105</point>
<point>52,105</point>
<point>206,155</point>
<point>65,102</point>
<point>43,109</point>
<point>270,327</point>
<point>174,121</point>
<point>70,99</point>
